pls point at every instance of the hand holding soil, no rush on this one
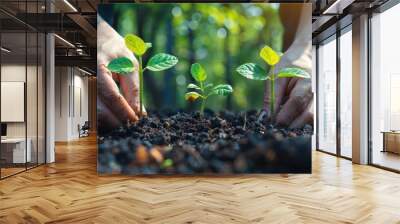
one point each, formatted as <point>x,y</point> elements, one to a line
<point>118,96</point>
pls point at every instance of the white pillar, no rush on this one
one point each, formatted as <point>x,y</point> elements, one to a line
<point>50,92</point>
<point>360,90</point>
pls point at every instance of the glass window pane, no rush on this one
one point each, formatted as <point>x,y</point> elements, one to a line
<point>385,83</point>
<point>346,94</point>
<point>13,86</point>
<point>313,81</point>
<point>327,97</point>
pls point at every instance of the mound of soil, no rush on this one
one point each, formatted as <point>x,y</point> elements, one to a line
<point>187,143</point>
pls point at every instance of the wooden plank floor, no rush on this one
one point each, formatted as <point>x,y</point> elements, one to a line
<point>70,191</point>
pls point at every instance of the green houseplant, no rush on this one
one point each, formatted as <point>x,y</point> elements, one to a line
<point>257,72</point>
<point>204,90</point>
<point>124,65</point>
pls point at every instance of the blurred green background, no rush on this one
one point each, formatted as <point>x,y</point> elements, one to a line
<point>219,36</point>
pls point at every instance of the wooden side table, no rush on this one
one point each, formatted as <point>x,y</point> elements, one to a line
<point>391,141</point>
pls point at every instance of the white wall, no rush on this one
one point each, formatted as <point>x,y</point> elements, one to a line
<point>61,103</point>
<point>71,102</point>
<point>15,73</point>
<point>12,73</point>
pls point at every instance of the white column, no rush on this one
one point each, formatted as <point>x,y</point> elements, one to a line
<point>360,90</point>
<point>50,92</point>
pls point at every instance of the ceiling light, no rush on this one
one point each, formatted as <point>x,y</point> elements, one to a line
<point>70,5</point>
<point>337,7</point>
<point>84,71</point>
<point>5,50</point>
<point>331,7</point>
<point>65,41</point>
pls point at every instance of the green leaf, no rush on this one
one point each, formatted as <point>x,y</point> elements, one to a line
<point>198,72</point>
<point>222,90</point>
<point>135,44</point>
<point>208,85</point>
<point>193,86</point>
<point>192,96</point>
<point>121,66</point>
<point>148,45</point>
<point>161,61</point>
<point>293,73</point>
<point>270,56</point>
<point>252,71</point>
<point>167,163</point>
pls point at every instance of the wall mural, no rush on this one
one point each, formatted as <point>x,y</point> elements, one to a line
<point>204,88</point>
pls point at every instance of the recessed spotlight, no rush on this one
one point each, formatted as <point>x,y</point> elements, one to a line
<point>65,41</point>
<point>70,6</point>
<point>5,50</point>
<point>84,71</point>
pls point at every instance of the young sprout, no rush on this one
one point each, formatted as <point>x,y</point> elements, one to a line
<point>256,72</point>
<point>124,65</point>
<point>204,90</point>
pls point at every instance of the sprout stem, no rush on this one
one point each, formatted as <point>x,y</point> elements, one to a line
<point>140,87</point>
<point>203,101</point>
<point>272,92</point>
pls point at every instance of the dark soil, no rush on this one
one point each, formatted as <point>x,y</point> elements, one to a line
<point>187,143</point>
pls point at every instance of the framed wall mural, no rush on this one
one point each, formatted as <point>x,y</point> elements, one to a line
<point>204,88</point>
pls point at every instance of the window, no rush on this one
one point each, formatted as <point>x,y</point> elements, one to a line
<point>346,93</point>
<point>385,89</point>
<point>327,96</point>
<point>22,75</point>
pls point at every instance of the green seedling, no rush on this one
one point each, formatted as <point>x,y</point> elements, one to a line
<point>167,163</point>
<point>256,72</point>
<point>124,65</point>
<point>204,90</point>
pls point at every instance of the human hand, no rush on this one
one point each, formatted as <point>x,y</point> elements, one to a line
<point>118,96</point>
<point>293,100</point>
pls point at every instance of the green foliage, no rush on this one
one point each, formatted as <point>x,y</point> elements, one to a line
<point>196,30</point>
<point>135,44</point>
<point>192,96</point>
<point>167,163</point>
<point>124,65</point>
<point>252,71</point>
<point>121,66</point>
<point>256,72</point>
<point>198,72</point>
<point>161,62</point>
<point>293,73</point>
<point>222,90</point>
<point>270,56</point>
<point>204,91</point>
<point>193,86</point>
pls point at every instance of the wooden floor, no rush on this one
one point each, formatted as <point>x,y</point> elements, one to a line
<point>70,191</point>
<point>387,159</point>
<point>5,172</point>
